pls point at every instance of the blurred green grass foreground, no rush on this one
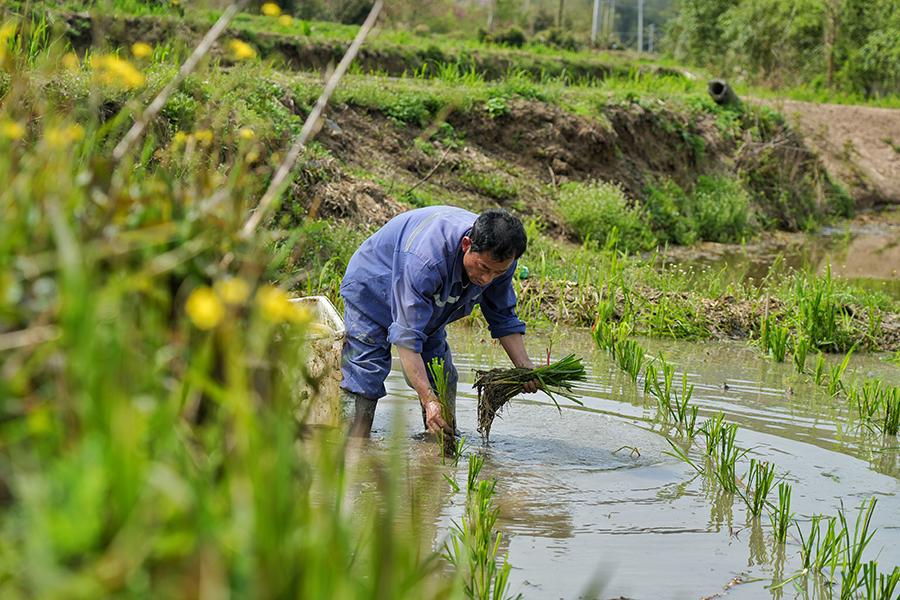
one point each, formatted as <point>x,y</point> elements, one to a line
<point>148,439</point>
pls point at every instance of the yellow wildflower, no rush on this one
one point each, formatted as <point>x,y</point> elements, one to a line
<point>61,137</point>
<point>7,30</point>
<point>270,9</point>
<point>70,61</point>
<point>204,308</point>
<point>11,130</point>
<point>233,290</point>
<point>141,50</point>
<point>252,156</point>
<point>180,138</point>
<point>241,50</point>
<point>117,72</point>
<point>203,137</point>
<point>278,308</point>
<point>245,133</point>
<point>285,20</point>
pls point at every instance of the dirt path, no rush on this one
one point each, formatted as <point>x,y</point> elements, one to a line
<point>860,145</point>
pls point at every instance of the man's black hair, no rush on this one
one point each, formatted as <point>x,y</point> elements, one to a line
<point>500,233</point>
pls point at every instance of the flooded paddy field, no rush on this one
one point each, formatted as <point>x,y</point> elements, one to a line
<point>591,499</point>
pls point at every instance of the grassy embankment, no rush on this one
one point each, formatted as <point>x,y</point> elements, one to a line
<point>721,205</point>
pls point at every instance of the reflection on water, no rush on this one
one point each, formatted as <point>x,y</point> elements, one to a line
<point>573,509</point>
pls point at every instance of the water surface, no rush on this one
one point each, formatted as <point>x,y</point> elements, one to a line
<point>578,507</point>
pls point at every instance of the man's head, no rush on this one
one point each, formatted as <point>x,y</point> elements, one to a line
<point>496,240</point>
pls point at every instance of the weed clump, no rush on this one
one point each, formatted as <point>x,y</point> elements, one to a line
<point>594,210</point>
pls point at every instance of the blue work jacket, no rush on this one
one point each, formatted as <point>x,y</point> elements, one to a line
<point>408,278</point>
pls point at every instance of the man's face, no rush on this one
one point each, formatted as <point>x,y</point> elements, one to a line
<point>481,267</point>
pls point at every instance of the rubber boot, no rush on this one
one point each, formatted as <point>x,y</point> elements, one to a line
<point>361,410</point>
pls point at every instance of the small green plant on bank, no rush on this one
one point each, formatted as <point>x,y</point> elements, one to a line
<point>489,184</point>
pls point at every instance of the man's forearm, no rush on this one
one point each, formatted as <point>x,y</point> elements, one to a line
<point>414,369</point>
<point>514,344</point>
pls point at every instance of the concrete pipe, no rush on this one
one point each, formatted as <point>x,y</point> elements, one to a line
<point>722,93</point>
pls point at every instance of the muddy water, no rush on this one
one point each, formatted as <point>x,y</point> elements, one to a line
<point>579,509</point>
<point>865,250</point>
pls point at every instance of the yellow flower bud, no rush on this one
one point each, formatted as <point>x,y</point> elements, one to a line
<point>270,9</point>
<point>117,72</point>
<point>203,137</point>
<point>62,137</point>
<point>141,50</point>
<point>285,20</point>
<point>241,50</point>
<point>245,133</point>
<point>70,61</point>
<point>204,308</point>
<point>11,130</point>
<point>276,306</point>
<point>233,291</point>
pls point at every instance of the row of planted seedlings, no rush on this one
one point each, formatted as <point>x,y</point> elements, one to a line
<point>817,324</point>
<point>824,553</point>
<point>473,547</point>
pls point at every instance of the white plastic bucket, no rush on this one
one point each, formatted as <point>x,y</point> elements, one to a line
<point>319,404</point>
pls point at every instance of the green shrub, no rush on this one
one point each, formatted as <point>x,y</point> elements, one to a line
<point>668,207</point>
<point>497,106</point>
<point>513,36</point>
<point>409,109</point>
<point>721,209</point>
<point>594,210</point>
<point>487,184</point>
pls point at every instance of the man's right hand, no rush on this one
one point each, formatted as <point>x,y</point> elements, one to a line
<point>434,419</point>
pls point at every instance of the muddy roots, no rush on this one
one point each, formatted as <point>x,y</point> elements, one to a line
<point>495,388</point>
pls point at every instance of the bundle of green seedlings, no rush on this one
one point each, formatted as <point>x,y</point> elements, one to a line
<point>442,391</point>
<point>498,386</point>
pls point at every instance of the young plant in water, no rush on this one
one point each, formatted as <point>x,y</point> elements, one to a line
<point>891,421</point>
<point>442,391</point>
<point>835,384</point>
<point>726,457</point>
<point>800,350</point>
<point>712,430</point>
<point>851,569</point>
<point>782,517</point>
<point>774,339</point>
<point>879,586</point>
<point>760,479</point>
<point>630,357</point>
<point>819,373</point>
<point>473,546</point>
